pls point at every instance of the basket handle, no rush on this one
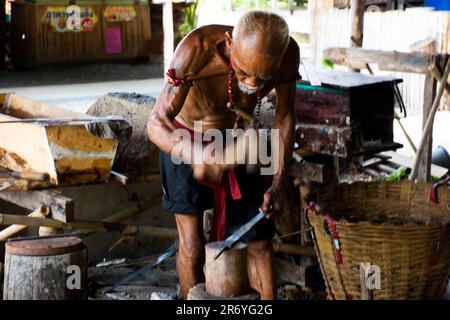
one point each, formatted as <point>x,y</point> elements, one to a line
<point>435,186</point>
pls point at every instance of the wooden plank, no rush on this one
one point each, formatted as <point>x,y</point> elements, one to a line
<point>61,208</point>
<point>358,58</point>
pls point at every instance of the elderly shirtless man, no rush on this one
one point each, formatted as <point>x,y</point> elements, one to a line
<point>216,70</point>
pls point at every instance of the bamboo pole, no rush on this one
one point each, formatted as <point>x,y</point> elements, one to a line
<point>9,219</point>
<point>8,232</point>
<point>427,130</point>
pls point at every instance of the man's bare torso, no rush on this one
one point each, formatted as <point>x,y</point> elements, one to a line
<point>208,67</point>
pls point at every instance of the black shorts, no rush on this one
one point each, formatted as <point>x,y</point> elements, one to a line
<point>184,195</point>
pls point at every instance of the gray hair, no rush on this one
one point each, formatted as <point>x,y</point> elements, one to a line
<point>270,25</point>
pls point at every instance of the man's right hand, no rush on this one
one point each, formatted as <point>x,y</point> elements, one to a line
<point>208,174</point>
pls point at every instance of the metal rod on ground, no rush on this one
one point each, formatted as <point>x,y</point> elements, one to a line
<point>430,120</point>
<point>16,228</point>
<point>127,279</point>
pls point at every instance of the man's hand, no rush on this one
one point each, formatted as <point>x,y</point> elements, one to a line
<point>208,174</point>
<point>273,199</point>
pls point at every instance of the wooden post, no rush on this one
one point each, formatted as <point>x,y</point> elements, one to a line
<point>168,33</point>
<point>226,276</point>
<point>429,93</point>
<point>357,18</point>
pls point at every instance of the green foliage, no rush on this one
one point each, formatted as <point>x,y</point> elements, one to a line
<point>400,174</point>
<point>190,19</point>
<point>327,64</point>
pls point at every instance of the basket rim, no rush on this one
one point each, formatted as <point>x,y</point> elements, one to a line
<point>343,221</point>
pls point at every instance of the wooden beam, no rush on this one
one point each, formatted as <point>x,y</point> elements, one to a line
<point>358,58</point>
<point>61,208</point>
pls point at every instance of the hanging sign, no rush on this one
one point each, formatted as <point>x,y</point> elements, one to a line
<point>113,40</point>
<point>119,14</point>
<point>70,19</point>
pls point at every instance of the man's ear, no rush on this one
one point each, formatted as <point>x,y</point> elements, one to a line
<point>228,40</point>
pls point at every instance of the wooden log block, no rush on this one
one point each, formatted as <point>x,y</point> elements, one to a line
<point>227,276</point>
<point>45,269</point>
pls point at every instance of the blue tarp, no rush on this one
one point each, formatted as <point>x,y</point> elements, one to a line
<point>443,5</point>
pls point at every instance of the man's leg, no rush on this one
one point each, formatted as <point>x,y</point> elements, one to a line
<point>260,265</point>
<point>191,251</point>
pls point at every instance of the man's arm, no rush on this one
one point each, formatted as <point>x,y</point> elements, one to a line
<point>160,125</point>
<point>284,122</point>
<point>188,60</point>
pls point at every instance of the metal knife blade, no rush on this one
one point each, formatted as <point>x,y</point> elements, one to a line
<point>239,233</point>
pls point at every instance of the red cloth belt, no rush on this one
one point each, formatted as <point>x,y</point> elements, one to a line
<point>220,189</point>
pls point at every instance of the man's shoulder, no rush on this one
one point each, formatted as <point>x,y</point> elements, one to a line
<point>291,62</point>
<point>197,49</point>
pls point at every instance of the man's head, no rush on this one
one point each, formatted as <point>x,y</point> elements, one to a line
<point>257,46</point>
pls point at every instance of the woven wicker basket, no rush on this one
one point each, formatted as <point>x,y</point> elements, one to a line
<point>394,226</point>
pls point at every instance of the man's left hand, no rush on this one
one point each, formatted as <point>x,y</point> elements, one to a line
<point>272,201</point>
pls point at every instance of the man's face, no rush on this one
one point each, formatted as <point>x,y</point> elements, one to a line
<point>253,69</point>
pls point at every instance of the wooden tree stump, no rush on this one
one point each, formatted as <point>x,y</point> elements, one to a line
<point>227,276</point>
<point>45,269</point>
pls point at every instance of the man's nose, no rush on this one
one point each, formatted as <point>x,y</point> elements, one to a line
<point>251,82</point>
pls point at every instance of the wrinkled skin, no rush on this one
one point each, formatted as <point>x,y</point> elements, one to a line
<point>203,58</point>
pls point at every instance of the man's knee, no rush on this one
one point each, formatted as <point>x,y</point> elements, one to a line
<point>191,238</point>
